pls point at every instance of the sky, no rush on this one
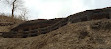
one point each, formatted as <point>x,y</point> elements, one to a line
<point>48,9</point>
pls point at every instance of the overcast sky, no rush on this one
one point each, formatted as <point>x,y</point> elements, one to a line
<point>47,9</point>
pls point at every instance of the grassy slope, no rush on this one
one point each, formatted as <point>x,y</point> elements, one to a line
<point>82,35</point>
<point>5,19</point>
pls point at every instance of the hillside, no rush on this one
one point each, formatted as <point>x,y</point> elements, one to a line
<point>4,18</point>
<point>6,23</point>
<point>95,34</point>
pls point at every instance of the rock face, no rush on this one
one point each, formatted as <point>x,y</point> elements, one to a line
<point>35,24</point>
<point>34,28</point>
<point>83,35</point>
<point>90,15</point>
<point>35,32</point>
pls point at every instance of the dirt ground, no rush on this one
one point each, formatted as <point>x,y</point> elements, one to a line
<point>95,34</point>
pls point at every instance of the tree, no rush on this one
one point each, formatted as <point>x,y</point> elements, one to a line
<point>14,5</point>
<point>23,15</point>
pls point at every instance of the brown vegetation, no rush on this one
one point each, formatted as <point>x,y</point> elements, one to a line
<point>74,32</point>
<point>79,35</point>
<point>7,22</point>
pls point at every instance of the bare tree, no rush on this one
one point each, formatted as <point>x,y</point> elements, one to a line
<point>14,5</point>
<point>24,14</point>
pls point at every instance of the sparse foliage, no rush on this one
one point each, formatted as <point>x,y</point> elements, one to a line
<point>16,5</point>
<point>24,13</point>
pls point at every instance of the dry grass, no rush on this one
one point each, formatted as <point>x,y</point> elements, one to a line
<point>80,35</point>
<point>4,28</point>
<point>4,18</point>
<point>8,19</point>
